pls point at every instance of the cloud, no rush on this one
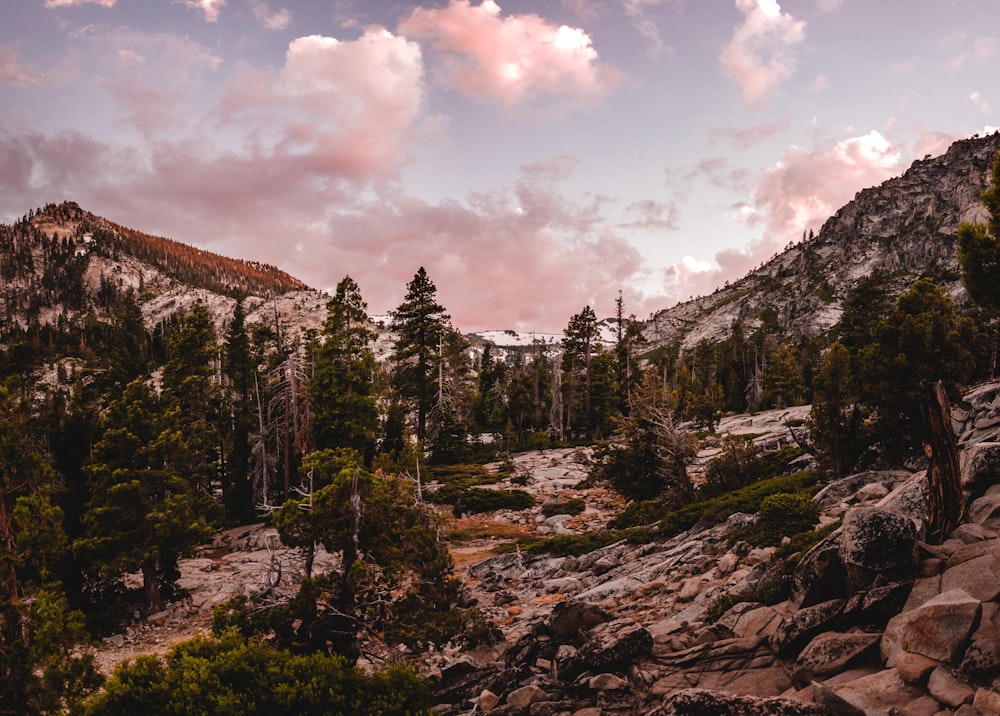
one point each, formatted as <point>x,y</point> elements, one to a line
<point>760,54</point>
<point>828,5</point>
<point>509,60</point>
<point>211,8</point>
<point>75,3</point>
<point>14,71</point>
<point>980,103</point>
<point>347,108</point>
<point>650,214</point>
<point>798,193</point>
<point>638,12</point>
<point>746,137</point>
<point>151,76</point>
<point>272,20</point>
<point>980,50</point>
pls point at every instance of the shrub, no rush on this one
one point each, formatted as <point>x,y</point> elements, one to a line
<point>473,500</point>
<point>782,514</point>
<point>571,506</point>
<point>744,499</point>
<point>235,675</point>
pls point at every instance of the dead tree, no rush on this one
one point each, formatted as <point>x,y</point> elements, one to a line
<point>946,502</point>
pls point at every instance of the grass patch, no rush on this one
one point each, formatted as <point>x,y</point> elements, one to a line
<point>570,506</point>
<point>576,545</point>
<point>744,499</point>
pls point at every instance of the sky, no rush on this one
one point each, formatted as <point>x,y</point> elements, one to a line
<point>534,157</point>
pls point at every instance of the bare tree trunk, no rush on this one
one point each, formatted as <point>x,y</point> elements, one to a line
<point>151,586</point>
<point>352,546</point>
<point>947,504</point>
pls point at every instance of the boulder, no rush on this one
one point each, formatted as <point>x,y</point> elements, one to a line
<point>525,696</point>
<point>570,621</point>
<point>880,694</point>
<point>985,511</point>
<point>939,629</point>
<point>805,624</point>
<point>608,651</point>
<point>947,688</point>
<point>978,576</point>
<point>979,465</point>
<point>831,652</point>
<point>698,702</point>
<point>914,668</point>
<point>820,576</point>
<point>910,500</point>
<point>877,543</point>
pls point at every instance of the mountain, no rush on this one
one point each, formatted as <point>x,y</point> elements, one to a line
<point>63,267</point>
<point>905,227</point>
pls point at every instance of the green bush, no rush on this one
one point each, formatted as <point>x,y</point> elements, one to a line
<point>576,545</point>
<point>640,512</point>
<point>473,500</point>
<point>744,499</point>
<point>235,675</point>
<point>782,514</point>
<point>571,506</point>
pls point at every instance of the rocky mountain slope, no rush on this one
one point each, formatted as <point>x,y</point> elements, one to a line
<point>879,621</point>
<point>905,227</point>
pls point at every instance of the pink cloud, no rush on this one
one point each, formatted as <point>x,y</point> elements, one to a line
<point>344,108</point>
<point>802,190</point>
<point>271,19</point>
<point>14,71</point>
<point>637,12</point>
<point>211,8</point>
<point>509,59</point>
<point>74,3</point>
<point>746,137</point>
<point>760,54</point>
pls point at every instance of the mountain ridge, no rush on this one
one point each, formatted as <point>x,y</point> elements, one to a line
<point>904,226</point>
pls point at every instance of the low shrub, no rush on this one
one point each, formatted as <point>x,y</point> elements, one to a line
<point>576,545</point>
<point>571,506</point>
<point>745,499</point>
<point>472,500</point>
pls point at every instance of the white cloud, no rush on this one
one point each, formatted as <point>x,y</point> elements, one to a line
<point>209,7</point>
<point>272,20</point>
<point>761,52</point>
<point>509,59</point>
<point>14,71</point>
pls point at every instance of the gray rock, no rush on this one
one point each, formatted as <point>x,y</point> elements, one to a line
<point>606,682</point>
<point>525,696</point>
<point>910,500</point>
<point>877,543</point>
<point>986,701</point>
<point>699,702</point>
<point>820,575</point>
<point>940,628</point>
<point>944,686</point>
<point>914,668</point>
<point>879,694</point>
<point>830,653</point>
<point>805,624</point>
<point>570,621</point>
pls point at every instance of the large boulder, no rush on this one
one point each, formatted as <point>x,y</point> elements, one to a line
<point>608,651</point>
<point>939,629</point>
<point>980,467</point>
<point>819,575</point>
<point>877,543</point>
<point>699,702</point>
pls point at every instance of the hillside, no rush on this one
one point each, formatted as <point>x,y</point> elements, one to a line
<point>905,227</point>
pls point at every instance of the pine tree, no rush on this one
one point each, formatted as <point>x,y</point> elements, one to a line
<point>145,509</point>
<point>579,341</point>
<point>420,324</point>
<point>238,423</point>
<point>342,386</point>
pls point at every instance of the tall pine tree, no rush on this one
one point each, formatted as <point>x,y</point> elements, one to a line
<point>420,324</point>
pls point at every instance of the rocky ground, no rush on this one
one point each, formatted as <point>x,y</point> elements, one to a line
<point>880,621</point>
